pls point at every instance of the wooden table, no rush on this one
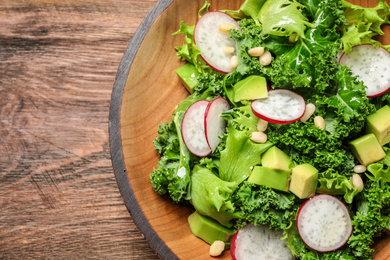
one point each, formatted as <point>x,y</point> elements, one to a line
<point>58,195</point>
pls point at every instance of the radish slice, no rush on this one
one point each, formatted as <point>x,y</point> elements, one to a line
<point>371,65</point>
<point>211,41</point>
<point>193,131</point>
<point>259,242</point>
<point>282,106</point>
<point>324,223</point>
<point>215,125</point>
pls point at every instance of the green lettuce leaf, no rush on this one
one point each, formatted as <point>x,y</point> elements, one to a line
<point>242,118</point>
<point>363,24</point>
<point>211,196</point>
<point>355,35</point>
<point>204,9</point>
<point>250,8</point>
<point>240,155</point>
<point>333,183</point>
<point>380,169</point>
<point>189,51</point>
<point>283,18</point>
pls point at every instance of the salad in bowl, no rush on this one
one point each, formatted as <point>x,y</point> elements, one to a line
<point>281,149</point>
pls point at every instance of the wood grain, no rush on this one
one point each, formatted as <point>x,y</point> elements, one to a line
<point>58,195</point>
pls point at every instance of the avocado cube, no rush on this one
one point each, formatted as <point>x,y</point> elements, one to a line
<point>367,149</point>
<point>275,179</point>
<point>208,229</point>
<point>304,178</point>
<point>276,159</point>
<point>250,88</point>
<point>187,75</point>
<point>378,123</point>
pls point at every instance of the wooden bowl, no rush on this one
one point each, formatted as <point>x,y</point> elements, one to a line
<point>145,94</point>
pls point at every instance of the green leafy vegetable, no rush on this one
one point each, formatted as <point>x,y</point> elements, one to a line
<point>363,24</point>
<point>283,18</point>
<point>210,196</point>
<point>239,156</point>
<point>381,169</point>
<point>369,221</point>
<point>250,8</point>
<point>173,173</point>
<point>188,51</point>
<point>331,182</point>
<point>306,143</point>
<point>263,205</point>
<point>242,118</point>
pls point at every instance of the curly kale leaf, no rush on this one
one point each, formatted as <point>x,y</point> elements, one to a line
<point>371,218</point>
<point>250,36</point>
<point>310,62</point>
<point>346,106</point>
<point>167,138</point>
<point>172,175</point>
<point>263,205</point>
<point>306,143</point>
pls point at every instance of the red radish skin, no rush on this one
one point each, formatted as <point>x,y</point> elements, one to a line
<point>210,40</point>
<point>233,246</point>
<point>371,65</point>
<point>215,125</point>
<point>259,242</point>
<point>193,131</point>
<point>282,106</point>
<point>323,223</point>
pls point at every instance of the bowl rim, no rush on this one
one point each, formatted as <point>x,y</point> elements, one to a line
<point>115,141</point>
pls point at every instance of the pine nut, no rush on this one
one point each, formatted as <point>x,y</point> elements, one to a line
<point>234,62</point>
<point>228,50</point>
<point>310,108</point>
<point>359,168</point>
<point>262,125</point>
<point>259,137</point>
<point>319,122</point>
<point>357,182</point>
<point>256,52</point>
<point>217,248</point>
<point>266,58</point>
<point>225,27</point>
